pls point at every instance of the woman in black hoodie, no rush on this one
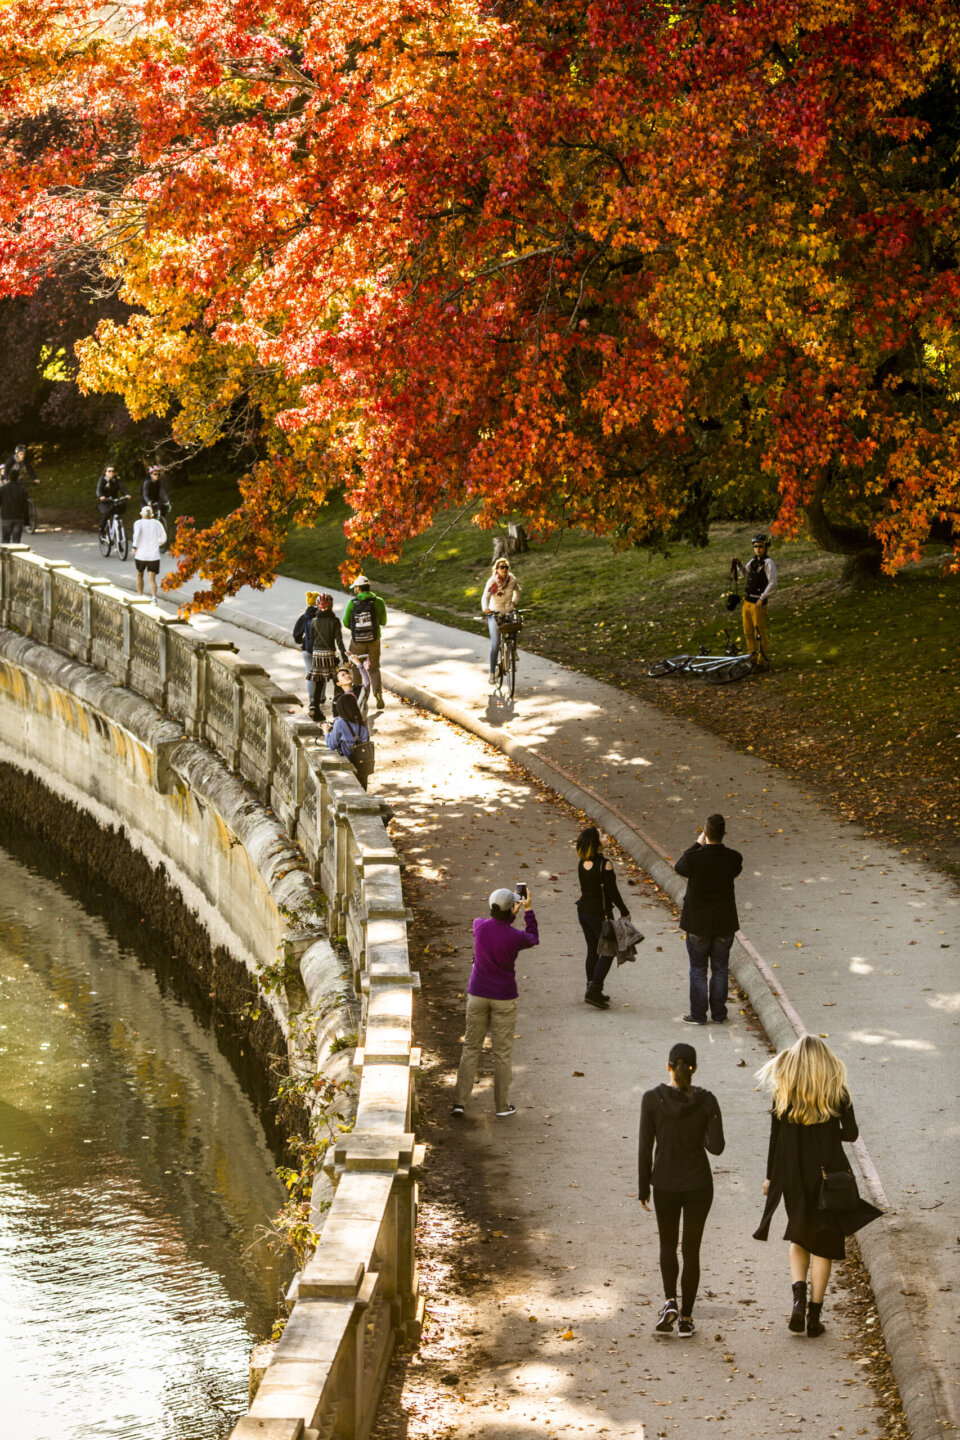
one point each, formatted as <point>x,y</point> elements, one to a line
<point>682,1121</point>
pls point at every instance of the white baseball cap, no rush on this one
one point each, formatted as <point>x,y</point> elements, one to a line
<point>505,899</point>
<point>360,580</point>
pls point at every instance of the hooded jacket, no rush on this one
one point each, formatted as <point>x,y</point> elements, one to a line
<point>683,1125</point>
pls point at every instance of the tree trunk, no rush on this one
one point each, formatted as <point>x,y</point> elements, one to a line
<point>862,551</point>
<point>861,570</point>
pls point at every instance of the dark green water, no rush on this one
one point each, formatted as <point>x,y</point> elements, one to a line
<point>135,1177</point>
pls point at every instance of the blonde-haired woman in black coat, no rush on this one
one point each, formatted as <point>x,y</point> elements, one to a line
<point>811,1116</point>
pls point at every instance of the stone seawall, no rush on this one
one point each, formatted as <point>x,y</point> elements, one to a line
<point>120,727</point>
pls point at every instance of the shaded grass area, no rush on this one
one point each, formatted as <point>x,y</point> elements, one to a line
<point>863,702</point>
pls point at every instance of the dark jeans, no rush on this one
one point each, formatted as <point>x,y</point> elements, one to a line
<point>12,532</point>
<point>712,950</point>
<point>694,1206</point>
<point>597,966</point>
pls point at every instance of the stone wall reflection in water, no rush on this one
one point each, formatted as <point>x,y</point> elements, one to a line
<point>134,1179</point>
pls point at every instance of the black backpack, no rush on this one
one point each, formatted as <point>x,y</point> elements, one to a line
<point>363,619</point>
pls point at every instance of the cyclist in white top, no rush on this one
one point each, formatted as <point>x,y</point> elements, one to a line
<point>501,594</point>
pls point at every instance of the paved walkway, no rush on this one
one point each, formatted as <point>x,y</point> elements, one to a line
<point>864,940</point>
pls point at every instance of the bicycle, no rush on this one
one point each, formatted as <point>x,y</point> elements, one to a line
<point>114,533</point>
<point>716,669</point>
<point>510,623</point>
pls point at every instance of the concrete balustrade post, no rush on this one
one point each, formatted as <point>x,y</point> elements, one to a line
<point>90,585</point>
<point>406,1203</point>
<point>130,604</point>
<point>200,668</point>
<point>8,588</point>
<point>50,597</point>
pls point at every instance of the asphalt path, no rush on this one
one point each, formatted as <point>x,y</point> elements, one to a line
<point>863,939</point>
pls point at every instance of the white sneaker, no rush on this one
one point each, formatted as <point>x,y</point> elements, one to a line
<point>510,1110</point>
<point>492,681</point>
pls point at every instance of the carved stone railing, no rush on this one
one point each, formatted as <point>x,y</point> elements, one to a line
<point>358,1292</point>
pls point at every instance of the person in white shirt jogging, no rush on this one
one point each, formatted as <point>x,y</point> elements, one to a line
<point>148,536</point>
<point>761,577</point>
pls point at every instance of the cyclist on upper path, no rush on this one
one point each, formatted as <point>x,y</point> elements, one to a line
<point>18,467</point>
<point>364,617</point>
<point>154,494</point>
<point>110,494</point>
<point>501,594</point>
<point>760,575</point>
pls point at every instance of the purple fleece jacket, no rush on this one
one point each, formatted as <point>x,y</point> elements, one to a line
<point>496,945</point>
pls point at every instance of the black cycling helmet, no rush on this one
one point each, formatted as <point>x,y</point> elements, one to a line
<point>759,540</point>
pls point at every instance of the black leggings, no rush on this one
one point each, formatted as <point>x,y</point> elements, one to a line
<point>597,966</point>
<point>694,1205</point>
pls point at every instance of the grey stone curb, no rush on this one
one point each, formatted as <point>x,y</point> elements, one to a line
<point>919,1391</point>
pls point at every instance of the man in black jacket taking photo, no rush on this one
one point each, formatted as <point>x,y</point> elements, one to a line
<point>709,917</point>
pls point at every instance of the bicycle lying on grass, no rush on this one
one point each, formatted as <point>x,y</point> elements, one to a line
<point>718,669</point>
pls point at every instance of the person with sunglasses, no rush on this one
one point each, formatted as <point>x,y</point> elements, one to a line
<point>760,575</point>
<point>501,594</point>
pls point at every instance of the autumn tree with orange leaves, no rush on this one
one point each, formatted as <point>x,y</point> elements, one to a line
<point>595,263</point>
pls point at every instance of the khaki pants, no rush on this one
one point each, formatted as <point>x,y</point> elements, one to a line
<point>754,624</point>
<point>499,1018</point>
<point>371,649</point>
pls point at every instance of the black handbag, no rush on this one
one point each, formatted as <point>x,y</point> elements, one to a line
<point>363,758</point>
<point>838,1189</point>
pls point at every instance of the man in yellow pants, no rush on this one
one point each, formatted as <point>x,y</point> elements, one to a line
<point>760,575</point>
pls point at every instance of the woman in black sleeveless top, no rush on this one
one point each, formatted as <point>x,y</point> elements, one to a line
<point>598,895</point>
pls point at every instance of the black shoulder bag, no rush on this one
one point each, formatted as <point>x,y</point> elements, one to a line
<point>362,757</point>
<point>838,1189</point>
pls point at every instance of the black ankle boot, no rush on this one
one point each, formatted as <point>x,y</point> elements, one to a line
<point>814,1327</point>
<point>798,1314</point>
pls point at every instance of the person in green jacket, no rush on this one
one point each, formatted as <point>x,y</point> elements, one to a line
<point>364,616</point>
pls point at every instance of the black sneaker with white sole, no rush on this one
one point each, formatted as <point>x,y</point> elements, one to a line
<point>667,1318</point>
<point>686,1328</point>
<point>510,1110</point>
<point>456,1109</point>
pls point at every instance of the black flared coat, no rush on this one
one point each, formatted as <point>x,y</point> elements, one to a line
<point>794,1159</point>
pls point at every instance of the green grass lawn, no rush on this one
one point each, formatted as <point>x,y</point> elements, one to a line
<point>864,698</point>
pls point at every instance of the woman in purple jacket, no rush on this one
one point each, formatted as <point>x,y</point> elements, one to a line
<point>492,996</point>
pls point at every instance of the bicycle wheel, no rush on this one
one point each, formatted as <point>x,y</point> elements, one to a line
<point>664,667</point>
<point>106,540</point>
<point>31,524</point>
<point>123,543</point>
<point>736,670</point>
<point>499,671</point>
<point>510,670</point>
